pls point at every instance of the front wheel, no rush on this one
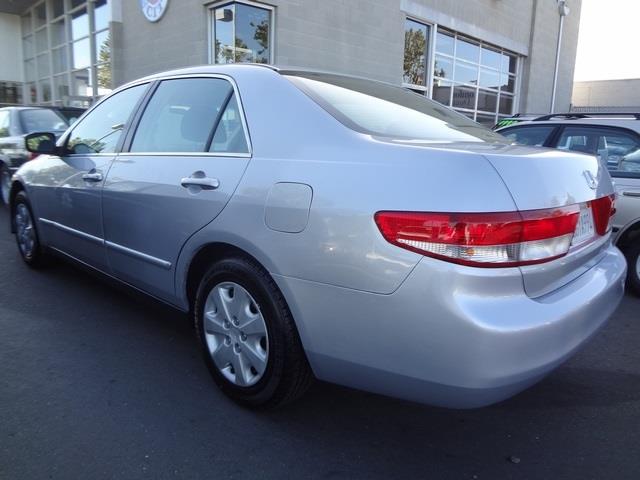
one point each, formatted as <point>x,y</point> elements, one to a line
<point>26,233</point>
<point>5,183</point>
<point>633,267</point>
<point>248,337</point>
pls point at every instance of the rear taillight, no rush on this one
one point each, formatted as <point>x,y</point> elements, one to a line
<point>603,211</point>
<point>483,239</point>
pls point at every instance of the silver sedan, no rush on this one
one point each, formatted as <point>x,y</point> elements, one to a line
<point>318,225</point>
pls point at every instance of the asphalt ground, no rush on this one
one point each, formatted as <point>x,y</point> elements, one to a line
<point>97,383</point>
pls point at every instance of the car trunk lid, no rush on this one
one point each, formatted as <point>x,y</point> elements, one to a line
<point>543,178</point>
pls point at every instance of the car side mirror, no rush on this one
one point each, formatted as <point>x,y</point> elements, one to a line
<point>40,142</point>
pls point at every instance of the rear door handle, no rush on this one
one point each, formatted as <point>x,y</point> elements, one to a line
<point>205,183</point>
<point>92,177</point>
<point>631,194</point>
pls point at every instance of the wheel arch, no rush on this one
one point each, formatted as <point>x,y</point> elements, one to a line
<point>214,251</point>
<point>628,234</point>
<point>204,257</point>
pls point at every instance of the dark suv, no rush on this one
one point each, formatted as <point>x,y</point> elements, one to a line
<point>15,123</point>
<point>615,139</point>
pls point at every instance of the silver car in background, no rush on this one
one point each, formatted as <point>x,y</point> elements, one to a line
<point>615,139</point>
<point>318,225</point>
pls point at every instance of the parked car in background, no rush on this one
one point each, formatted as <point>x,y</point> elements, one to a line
<point>336,227</point>
<point>615,139</point>
<point>71,114</point>
<point>15,123</point>
<point>517,118</point>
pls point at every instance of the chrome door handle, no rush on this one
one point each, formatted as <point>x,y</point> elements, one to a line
<point>204,183</point>
<point>92,177</point>
<point>631,194</point>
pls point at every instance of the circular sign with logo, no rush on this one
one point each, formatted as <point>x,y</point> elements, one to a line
<point>153,9</point>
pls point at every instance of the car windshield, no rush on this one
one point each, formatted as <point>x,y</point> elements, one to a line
<point>380,109</point>
<point>41,120</point>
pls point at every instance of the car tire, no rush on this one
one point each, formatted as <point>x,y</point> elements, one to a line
<point>26,232</point>
<point>633,267</point>
<point>5,183</point>
<point>265,366</point>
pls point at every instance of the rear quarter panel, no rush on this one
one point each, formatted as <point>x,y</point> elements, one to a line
<point>352,176</point>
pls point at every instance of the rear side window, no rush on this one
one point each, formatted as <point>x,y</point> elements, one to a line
<point>384,110</point>
<point>183,114</point>
<point>617,149</point>
<point>535,135</point>
<point>101,129</point>
<point>229,136</point>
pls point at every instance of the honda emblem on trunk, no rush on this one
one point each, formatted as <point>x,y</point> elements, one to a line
<point>591,180</point>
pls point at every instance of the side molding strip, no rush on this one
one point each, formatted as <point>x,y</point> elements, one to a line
<point>158,262</point>
<point>72,231</point>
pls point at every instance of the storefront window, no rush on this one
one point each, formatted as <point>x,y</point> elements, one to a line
<point>10,93</point>
<point>241,33</point>
<point>473,77</point>
<point>67,50</point>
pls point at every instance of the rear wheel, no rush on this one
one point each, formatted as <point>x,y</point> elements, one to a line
<point>633,267</point>
<point>5,183</point>
<point>26,233</point>
<point>248,337</point>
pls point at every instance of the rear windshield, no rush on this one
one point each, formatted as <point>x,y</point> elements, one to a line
<point>41,120</point>
<point>385,110</point>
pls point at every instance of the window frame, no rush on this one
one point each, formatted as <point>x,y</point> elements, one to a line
<point>428,57</point>
<point>212,7</point>
<point>134,122</point>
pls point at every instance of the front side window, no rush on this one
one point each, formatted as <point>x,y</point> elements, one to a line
<point>183,114</point>
<point>241,33</point>
<point>534,136</point>
<point>380,109</point>
<point>101,129</point>
<point>617,149</point>
<point>416,40</point>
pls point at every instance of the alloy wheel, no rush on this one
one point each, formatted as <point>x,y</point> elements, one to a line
<point>236,334</point>
<point>25,232</point>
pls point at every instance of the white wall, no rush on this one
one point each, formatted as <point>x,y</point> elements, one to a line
<point>607,93</point>
<point>10,48</point>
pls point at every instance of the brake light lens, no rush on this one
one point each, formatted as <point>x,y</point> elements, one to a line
<point>484,239</point>
<point>603,212</point>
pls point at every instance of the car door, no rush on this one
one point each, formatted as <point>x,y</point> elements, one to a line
<point>619,150</point>
<point>185,159</point>
<point>68,189</point>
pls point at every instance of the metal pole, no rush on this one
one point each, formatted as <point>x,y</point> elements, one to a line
<point>562,10</point>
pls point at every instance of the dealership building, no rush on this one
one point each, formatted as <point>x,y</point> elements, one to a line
<point>485,58</point>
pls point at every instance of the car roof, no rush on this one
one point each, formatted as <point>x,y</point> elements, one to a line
<point>229,69</point>
<point>629,123</point>
<point>35,107</point>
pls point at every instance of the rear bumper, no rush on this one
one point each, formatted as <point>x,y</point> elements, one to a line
<point>451,335</point>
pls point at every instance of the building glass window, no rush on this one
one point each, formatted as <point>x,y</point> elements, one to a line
<point>473,77</point>
<point>241,32</point>
<point>416,43</point>
<point>67,51</point>
<point>10,93</point>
